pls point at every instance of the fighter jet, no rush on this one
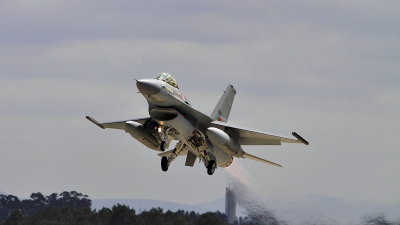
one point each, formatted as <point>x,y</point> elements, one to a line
<point>209,138</point>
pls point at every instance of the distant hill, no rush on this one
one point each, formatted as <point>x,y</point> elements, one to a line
<point>3,193</point>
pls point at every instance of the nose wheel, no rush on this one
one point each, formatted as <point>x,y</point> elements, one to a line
<point>211,167</point>
<point>162,146</point>
<point>164,163</point>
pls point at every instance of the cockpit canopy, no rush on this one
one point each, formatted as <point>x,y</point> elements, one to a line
<point>167,78</point>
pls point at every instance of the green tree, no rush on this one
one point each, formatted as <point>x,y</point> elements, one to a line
<point>72,199</point>
<point>209,218</point>
<point>75,199</point>
<point>15,218</point>
<point>104,216</point>
<point>122,215</point>
<point>171,218</point>
<point>35,204</point>
<point>8,204</point>
<point>65,215</point>
<point>193,216</point>
<point>154,216</point>
<point>222,216</point>
<point>52,201</point>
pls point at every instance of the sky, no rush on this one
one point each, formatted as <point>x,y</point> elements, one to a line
<point>328,70</point>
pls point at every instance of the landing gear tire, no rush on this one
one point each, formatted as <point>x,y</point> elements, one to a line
<point>162,146</point>
<point>164,163</point>
<point>211,167</point>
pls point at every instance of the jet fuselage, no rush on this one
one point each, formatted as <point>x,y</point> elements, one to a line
<point>209,138</point>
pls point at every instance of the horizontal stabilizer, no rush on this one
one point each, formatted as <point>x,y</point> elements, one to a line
<point>255,158</point>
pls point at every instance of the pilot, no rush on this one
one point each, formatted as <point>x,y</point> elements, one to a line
<point>167,78</point>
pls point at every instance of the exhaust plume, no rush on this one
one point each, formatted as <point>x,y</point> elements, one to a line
<point>255,209</point>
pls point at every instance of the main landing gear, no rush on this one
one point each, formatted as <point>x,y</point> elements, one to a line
<point>209,163</point>
<point>211,167</point>
<point>164,163</point>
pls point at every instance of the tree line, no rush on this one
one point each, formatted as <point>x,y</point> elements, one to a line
<point>74,208</point>
<point>38,202</point>
<point>117,215</point>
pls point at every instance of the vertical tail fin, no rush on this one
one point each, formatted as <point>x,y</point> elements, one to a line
<point>223,108</point>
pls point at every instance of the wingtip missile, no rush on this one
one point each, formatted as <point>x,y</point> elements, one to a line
<point>95,122</point>
<point>300,138</point>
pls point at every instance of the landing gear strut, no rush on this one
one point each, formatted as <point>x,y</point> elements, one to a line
<point>166,161</point>
<point>164,137</point>
<point>211,167</point>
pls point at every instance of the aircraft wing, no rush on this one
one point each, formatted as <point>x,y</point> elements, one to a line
<point>117,124</point>
<point>248,136</point>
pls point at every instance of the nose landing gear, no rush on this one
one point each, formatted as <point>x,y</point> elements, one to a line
<point>164,137</point>
<point>162,146</point>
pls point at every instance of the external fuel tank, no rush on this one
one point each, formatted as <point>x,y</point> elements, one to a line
<point>140,133</point>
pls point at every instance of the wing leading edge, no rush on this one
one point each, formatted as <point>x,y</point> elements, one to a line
<point>248,136</point>
<point>117,124</point>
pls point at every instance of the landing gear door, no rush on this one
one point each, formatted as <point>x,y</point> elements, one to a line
<point>190,159</point>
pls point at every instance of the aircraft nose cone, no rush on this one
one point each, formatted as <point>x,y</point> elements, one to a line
<point>148,87</point>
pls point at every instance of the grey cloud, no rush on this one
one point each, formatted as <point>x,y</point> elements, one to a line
<point>212,22</point>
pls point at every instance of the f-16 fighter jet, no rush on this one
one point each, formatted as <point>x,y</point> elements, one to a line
<point>209,138</point>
